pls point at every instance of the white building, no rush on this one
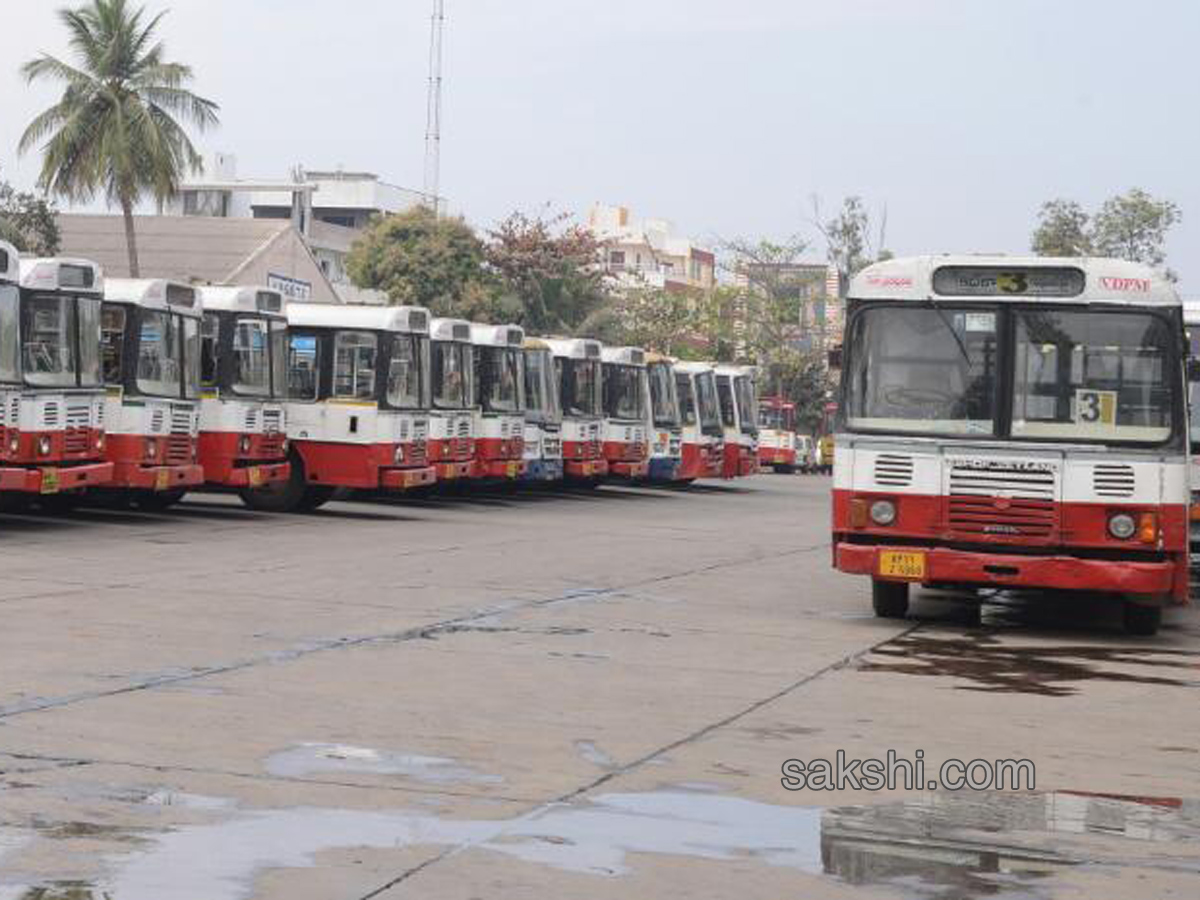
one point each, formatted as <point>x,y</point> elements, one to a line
<point>647,253</point>
<point>328,208</point>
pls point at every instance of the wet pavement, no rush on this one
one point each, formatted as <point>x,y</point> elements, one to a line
<point>584,695</point>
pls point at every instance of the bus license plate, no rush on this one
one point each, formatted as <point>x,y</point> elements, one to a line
<point>49,481</point>
<point>896,564</point>
<point>512,470</point>
<point>255,476</point>
<point>162,480</point>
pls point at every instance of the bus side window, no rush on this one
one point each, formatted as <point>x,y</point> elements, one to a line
<point>354,365</point>
<point>303,367</point>
<point>112,343</point>
<point>209,327</point>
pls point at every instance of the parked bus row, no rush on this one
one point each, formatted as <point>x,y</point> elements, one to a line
<point>138,391</point>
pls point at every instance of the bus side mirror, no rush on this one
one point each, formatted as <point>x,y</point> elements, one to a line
<point>1193,369</point>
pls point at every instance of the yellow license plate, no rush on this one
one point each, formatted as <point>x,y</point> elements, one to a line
<point>512,470</point>
<point>49,481</point>
<point>897,564</point>
<point>255,476</point>
<point>162,480</point>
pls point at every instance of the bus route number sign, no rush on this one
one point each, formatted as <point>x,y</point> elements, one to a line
<point>1096,407</point>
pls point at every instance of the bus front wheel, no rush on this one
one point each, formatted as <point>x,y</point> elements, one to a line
<point>1141,618</point>
<point>293,495</point>
<point>890,599</point>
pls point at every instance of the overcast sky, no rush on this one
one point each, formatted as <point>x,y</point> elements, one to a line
<point>723,117</point>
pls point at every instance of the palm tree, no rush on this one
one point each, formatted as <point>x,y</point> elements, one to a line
<point>115,127</point>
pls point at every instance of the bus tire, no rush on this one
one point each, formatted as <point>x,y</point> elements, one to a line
<point>315,496</point>
<point>285,496</point>
<point>889,598</point>
<point>1142,619</point>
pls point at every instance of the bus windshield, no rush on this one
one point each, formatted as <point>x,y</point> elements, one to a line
<point>48,341</point>
<point>747,401</point>
<point>706,399</point>
<point>687,398</point>
<point>452,374</point>
<point>541,399</point>
<point>777,418</point>
<point>160,369</point>
<point>1076,374</point>
<point>580,384</point>
<point>664,400</point>
<point>1193,387</point>
<point>1086,375</point>
<point>404,372</point>
<point>251,357</point>
<point>919,369</point>
<point>501,379</point>
<point>623,391</point>
<point>725,396</point>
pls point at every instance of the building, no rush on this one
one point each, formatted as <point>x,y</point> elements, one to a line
<point>203,250</point>
<point>647,254</point>
<point>329,209</point>
<point>814,285</point>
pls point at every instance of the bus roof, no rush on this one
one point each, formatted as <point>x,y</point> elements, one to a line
<point>154,293</point>
<point>497,335</point>
<point>992,278</point>
<point>412,319</point>
<point>623,356</point>
<point>450,330</point>
<point>61,274</point>
<point>243,298</point>
<point>532,343</point>
<point>693,368</point>
<point>575,348</point>
<point>9,270</point>
<point>1191,312</point>
<point>735,371</point>
<point>654,358</point>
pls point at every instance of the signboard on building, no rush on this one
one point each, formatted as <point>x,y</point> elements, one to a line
<point>292,288</point>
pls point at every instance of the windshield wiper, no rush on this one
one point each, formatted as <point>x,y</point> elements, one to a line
<point>962,347</point>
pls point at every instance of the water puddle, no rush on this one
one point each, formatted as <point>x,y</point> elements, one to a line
<point>306,759</point>
<point>936,845</point>
<point>593,754</point>
<point>993,666</point>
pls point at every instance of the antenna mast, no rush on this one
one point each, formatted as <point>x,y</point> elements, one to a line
<point>433,108</point>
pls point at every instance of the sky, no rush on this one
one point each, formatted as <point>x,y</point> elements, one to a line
<point>959,116</point>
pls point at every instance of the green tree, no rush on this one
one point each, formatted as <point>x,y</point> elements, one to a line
<point>850,244</point>
<point>658,319</point>
<point>550,274</point>
<point>1134,226</point>
<point>420,258</point>
<point>28,221</point>
<point>116,127</point>
<point>1063,230</point>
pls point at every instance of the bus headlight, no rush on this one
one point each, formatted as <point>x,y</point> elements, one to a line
<point>244,444</point>
<point>398,455</point>
<point>14,444</point>
<point>99,443</point>
<point>151,448</point>
<point>883,512</point>
<point>1121,526</point>
<point>43,445</point>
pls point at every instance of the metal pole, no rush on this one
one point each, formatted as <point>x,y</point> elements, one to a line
<point>433,109</point>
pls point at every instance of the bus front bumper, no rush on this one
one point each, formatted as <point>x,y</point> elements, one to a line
<point>623,469</point>
<point>505,469</point>
<point>254,476</point>
<point>406,479</point>
<point>53,479</point>
<point>945,565</point>
<point>156,478</point>
<point>451,471</point>
<point>543,470</point>
<point>663,469</point>
<point>586,468</point>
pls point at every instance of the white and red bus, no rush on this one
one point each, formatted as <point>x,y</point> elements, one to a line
<point>358,404</point>
<point>150,358</point>
<point>244,385</point>
<point>625,396</point>
<point>499,407</point>
<point>1014,422</point>
<point>702,434</point>
<point>663,421</point>
<point>739,419</point>
<point>51,386</point>
<point>543,415</point>
<point>452,416</point>
<point>778,442</point>
<point>580,380</point>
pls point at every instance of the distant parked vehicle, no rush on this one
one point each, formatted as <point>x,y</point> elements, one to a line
<point>499,407</point>
<point>663,424</point>
<point>452,414</point>
<point>777,438</point>
<point>739,418</point>
<point>543,415</point>
<point>578,371</point>
<point>701,433</point>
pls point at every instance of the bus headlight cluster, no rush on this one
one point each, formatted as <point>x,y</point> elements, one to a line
<point>1121,526</point>
<point>99,443</point>
<point>43,445</point>
<point>14,444</point>
<point>151,448</point>
<point>883,512</point>
<point>398,454</point>
<point>244,444</point>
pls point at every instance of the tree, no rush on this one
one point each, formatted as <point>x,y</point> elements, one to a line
<point>849,244</point>
<point>1130,226</point>
<point>550,274</point>
<point>657,319</point>
<point>1063,230</point>
<point>115,127</point>
<point>419,258</point>
<point>28,222</point>
<point>1134,226</point>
